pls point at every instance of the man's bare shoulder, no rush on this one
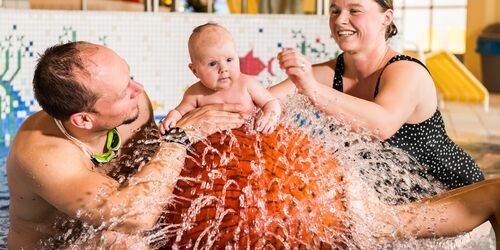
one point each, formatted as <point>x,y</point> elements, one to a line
<point>40,161</point>
<point>40,134</point>
<point>47,176</point>
<point>40,146</point>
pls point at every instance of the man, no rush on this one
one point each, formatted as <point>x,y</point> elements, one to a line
<point>66,168</point>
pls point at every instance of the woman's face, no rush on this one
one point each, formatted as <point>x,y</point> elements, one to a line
<point>357,24</point>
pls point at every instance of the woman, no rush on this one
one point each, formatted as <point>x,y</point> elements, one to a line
<point>371,84</point>
<point>451,213</point>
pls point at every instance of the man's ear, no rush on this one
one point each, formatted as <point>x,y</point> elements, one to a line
<point>82,120</point>
<point>193,69</point>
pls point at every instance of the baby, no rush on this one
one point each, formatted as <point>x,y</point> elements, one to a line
<point>216,64</point>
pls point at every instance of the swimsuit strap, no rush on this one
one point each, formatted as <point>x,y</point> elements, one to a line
<point>339,71</point>
<point>340,67</point>
<point>395,59</point>
<point>84,147</point>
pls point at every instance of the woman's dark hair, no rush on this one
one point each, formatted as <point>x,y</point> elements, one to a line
<point>392,30</point>
<point>57,81</point>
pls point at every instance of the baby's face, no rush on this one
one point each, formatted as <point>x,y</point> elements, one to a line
<point>216,62</point>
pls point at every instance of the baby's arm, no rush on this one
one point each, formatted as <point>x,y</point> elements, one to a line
<point>187,104</point>
<point>270,105</point>
<point>271,113</point>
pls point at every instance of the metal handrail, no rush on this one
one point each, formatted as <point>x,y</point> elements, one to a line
<point>151,5</point>
<point>322,7</point>
<point>156,5</point>
<point>210,6</point>
<point>244,4</point>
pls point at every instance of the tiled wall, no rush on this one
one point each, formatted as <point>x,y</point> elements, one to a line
<point>15,4</point>
<point>154,46</point>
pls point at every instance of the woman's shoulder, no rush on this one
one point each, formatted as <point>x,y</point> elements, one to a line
<point>409,71</point>
<point>325,71</point>
<point>330,64</point>
<point>402,64</point>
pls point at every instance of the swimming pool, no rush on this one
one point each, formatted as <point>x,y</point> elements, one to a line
<point>483,241</point>
<point>4,205</point>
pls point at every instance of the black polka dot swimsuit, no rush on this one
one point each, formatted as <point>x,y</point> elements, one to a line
<point>427,141</point>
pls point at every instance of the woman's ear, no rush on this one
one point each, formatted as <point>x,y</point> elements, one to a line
<point>82,120</point>
<point>388,17</point>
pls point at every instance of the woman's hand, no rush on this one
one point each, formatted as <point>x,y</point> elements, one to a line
<point>209,119</point>
<point>299,71</point>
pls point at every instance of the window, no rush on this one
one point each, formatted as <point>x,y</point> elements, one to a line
<point>432,24</point>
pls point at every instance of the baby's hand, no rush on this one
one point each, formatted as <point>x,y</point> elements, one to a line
<point>170,120</point>
<point>267,122</point>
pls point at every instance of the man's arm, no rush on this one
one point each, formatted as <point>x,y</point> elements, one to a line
<point>72,187</point>
<point>212,118</point>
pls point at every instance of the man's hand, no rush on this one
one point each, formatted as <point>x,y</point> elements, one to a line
<point>209,119</point>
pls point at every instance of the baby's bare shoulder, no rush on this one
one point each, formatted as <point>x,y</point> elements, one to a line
<point>248,78</point>
<point>249,81</point>
<point>196,88</point>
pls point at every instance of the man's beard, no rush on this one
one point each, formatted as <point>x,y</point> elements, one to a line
<point>133,118</point>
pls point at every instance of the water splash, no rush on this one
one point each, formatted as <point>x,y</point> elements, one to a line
<point>317,182</point>
<point>253,200</point>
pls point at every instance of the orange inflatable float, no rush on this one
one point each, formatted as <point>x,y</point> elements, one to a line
<point>244,190</point>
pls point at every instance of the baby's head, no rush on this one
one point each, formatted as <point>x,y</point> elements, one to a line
<point>214,59</point>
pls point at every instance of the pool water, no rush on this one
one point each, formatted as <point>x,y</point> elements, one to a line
<point>4,214</point>
<point>4,205</point>
<point>482,237</point>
